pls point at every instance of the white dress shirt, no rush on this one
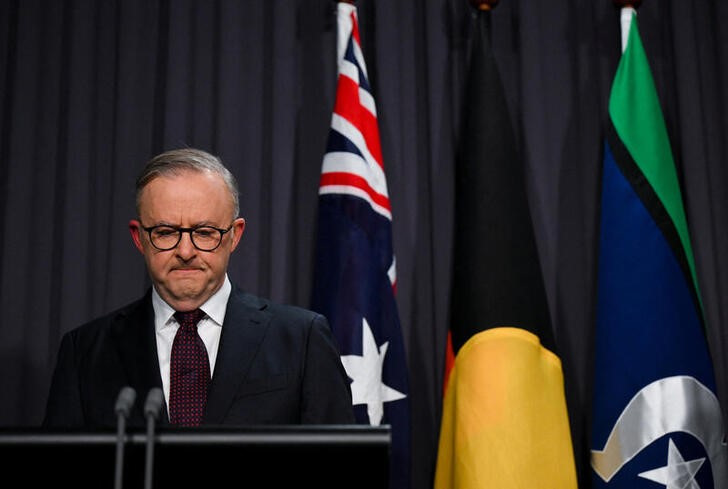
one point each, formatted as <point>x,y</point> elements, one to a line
<point>209,329</point>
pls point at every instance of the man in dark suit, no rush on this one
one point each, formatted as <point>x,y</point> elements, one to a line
<point>221,356</point>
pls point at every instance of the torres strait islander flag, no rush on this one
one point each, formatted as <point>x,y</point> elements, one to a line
<point>354,280</point>
<point>504,422</point>
<point>656,419</point>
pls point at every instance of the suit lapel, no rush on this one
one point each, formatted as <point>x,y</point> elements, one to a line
<point>133,330</point>
<point>242,332</point>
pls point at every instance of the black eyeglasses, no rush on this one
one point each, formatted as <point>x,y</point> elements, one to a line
<point>204,238</point>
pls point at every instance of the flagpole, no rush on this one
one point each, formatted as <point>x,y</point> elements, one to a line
<point>627,8</point>
<point>485,7</point>
<point>484,4</point>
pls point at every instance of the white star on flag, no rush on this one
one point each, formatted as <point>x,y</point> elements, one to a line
<point>677,474</point>
<point>366,371</point>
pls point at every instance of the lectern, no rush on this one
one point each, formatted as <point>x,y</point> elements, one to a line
<point>206,457</point>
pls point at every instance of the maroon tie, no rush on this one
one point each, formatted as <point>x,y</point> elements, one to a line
<point>189,372</point>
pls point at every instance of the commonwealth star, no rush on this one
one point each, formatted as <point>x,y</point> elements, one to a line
<point>366,371</point>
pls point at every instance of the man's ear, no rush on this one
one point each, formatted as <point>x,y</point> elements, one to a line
<point>135,229</point>
<point>237,230</point>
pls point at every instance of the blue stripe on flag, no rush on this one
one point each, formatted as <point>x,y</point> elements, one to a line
<point>350,57</point>
<point>648,329</point>
<point>340,143</point>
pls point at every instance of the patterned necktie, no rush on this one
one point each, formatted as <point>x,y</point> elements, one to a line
<point>189,372</point>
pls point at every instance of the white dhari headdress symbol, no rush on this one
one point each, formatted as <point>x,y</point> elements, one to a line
<point>672,404</point>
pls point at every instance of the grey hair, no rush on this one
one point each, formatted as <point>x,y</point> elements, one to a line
<point>178,161</point>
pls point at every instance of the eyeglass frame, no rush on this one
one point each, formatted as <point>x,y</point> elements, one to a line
<point>189,231</point>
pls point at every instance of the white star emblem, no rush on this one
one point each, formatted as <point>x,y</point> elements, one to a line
<point>366,371</point>
<point>677,474</point>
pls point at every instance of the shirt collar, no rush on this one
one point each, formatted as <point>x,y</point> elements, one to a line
<point>215,307</point>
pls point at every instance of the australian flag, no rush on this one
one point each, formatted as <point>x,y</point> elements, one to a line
<point>355,277</point>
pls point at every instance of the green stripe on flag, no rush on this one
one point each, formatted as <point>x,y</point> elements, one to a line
<point>635,112</point>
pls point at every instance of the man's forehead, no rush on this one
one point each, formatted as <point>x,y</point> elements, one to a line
<point>186,179</point>
<point>188,191</point>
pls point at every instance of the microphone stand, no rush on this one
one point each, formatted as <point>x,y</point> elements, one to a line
<point>152,407</point>
<point>124,402</point>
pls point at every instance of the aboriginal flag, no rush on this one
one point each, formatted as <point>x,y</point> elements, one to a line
<point>504,421</point>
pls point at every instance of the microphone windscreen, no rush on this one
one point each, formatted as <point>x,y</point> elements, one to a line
<point>153,404</point>
<point>124,401</point>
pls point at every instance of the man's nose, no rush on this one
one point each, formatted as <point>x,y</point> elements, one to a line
<point>185,248</point>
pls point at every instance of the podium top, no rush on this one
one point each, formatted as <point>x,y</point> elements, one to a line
<point>335,435</point>
<point>299,456</point>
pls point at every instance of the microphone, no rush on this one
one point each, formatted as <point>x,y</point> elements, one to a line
<point>124,402</point>
<point>152,407</point>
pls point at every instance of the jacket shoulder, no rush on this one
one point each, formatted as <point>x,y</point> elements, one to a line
<point>100,324</point>
<point>285,313</point>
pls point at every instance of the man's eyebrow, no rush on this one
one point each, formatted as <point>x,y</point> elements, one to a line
<point>165,223</point>
<point>206,223</point>
<point>195,225</point>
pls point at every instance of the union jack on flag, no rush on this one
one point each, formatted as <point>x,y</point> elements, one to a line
<point>355,276</point>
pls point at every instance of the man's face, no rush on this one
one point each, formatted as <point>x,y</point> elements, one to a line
<point>184,276</point>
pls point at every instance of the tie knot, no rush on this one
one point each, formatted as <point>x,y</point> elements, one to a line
<point>189,318</point>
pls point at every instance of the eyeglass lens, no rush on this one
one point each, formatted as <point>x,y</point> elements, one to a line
<point>167,237</point>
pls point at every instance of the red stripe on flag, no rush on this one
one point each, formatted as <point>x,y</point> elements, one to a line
<point>349,107</point>
<point>355,28</point>
<point>352,180</point>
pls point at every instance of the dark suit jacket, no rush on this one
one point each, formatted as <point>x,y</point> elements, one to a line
<point>276,364</point>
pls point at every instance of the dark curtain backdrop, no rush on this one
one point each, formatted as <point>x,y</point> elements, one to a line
<point>89,90</point>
